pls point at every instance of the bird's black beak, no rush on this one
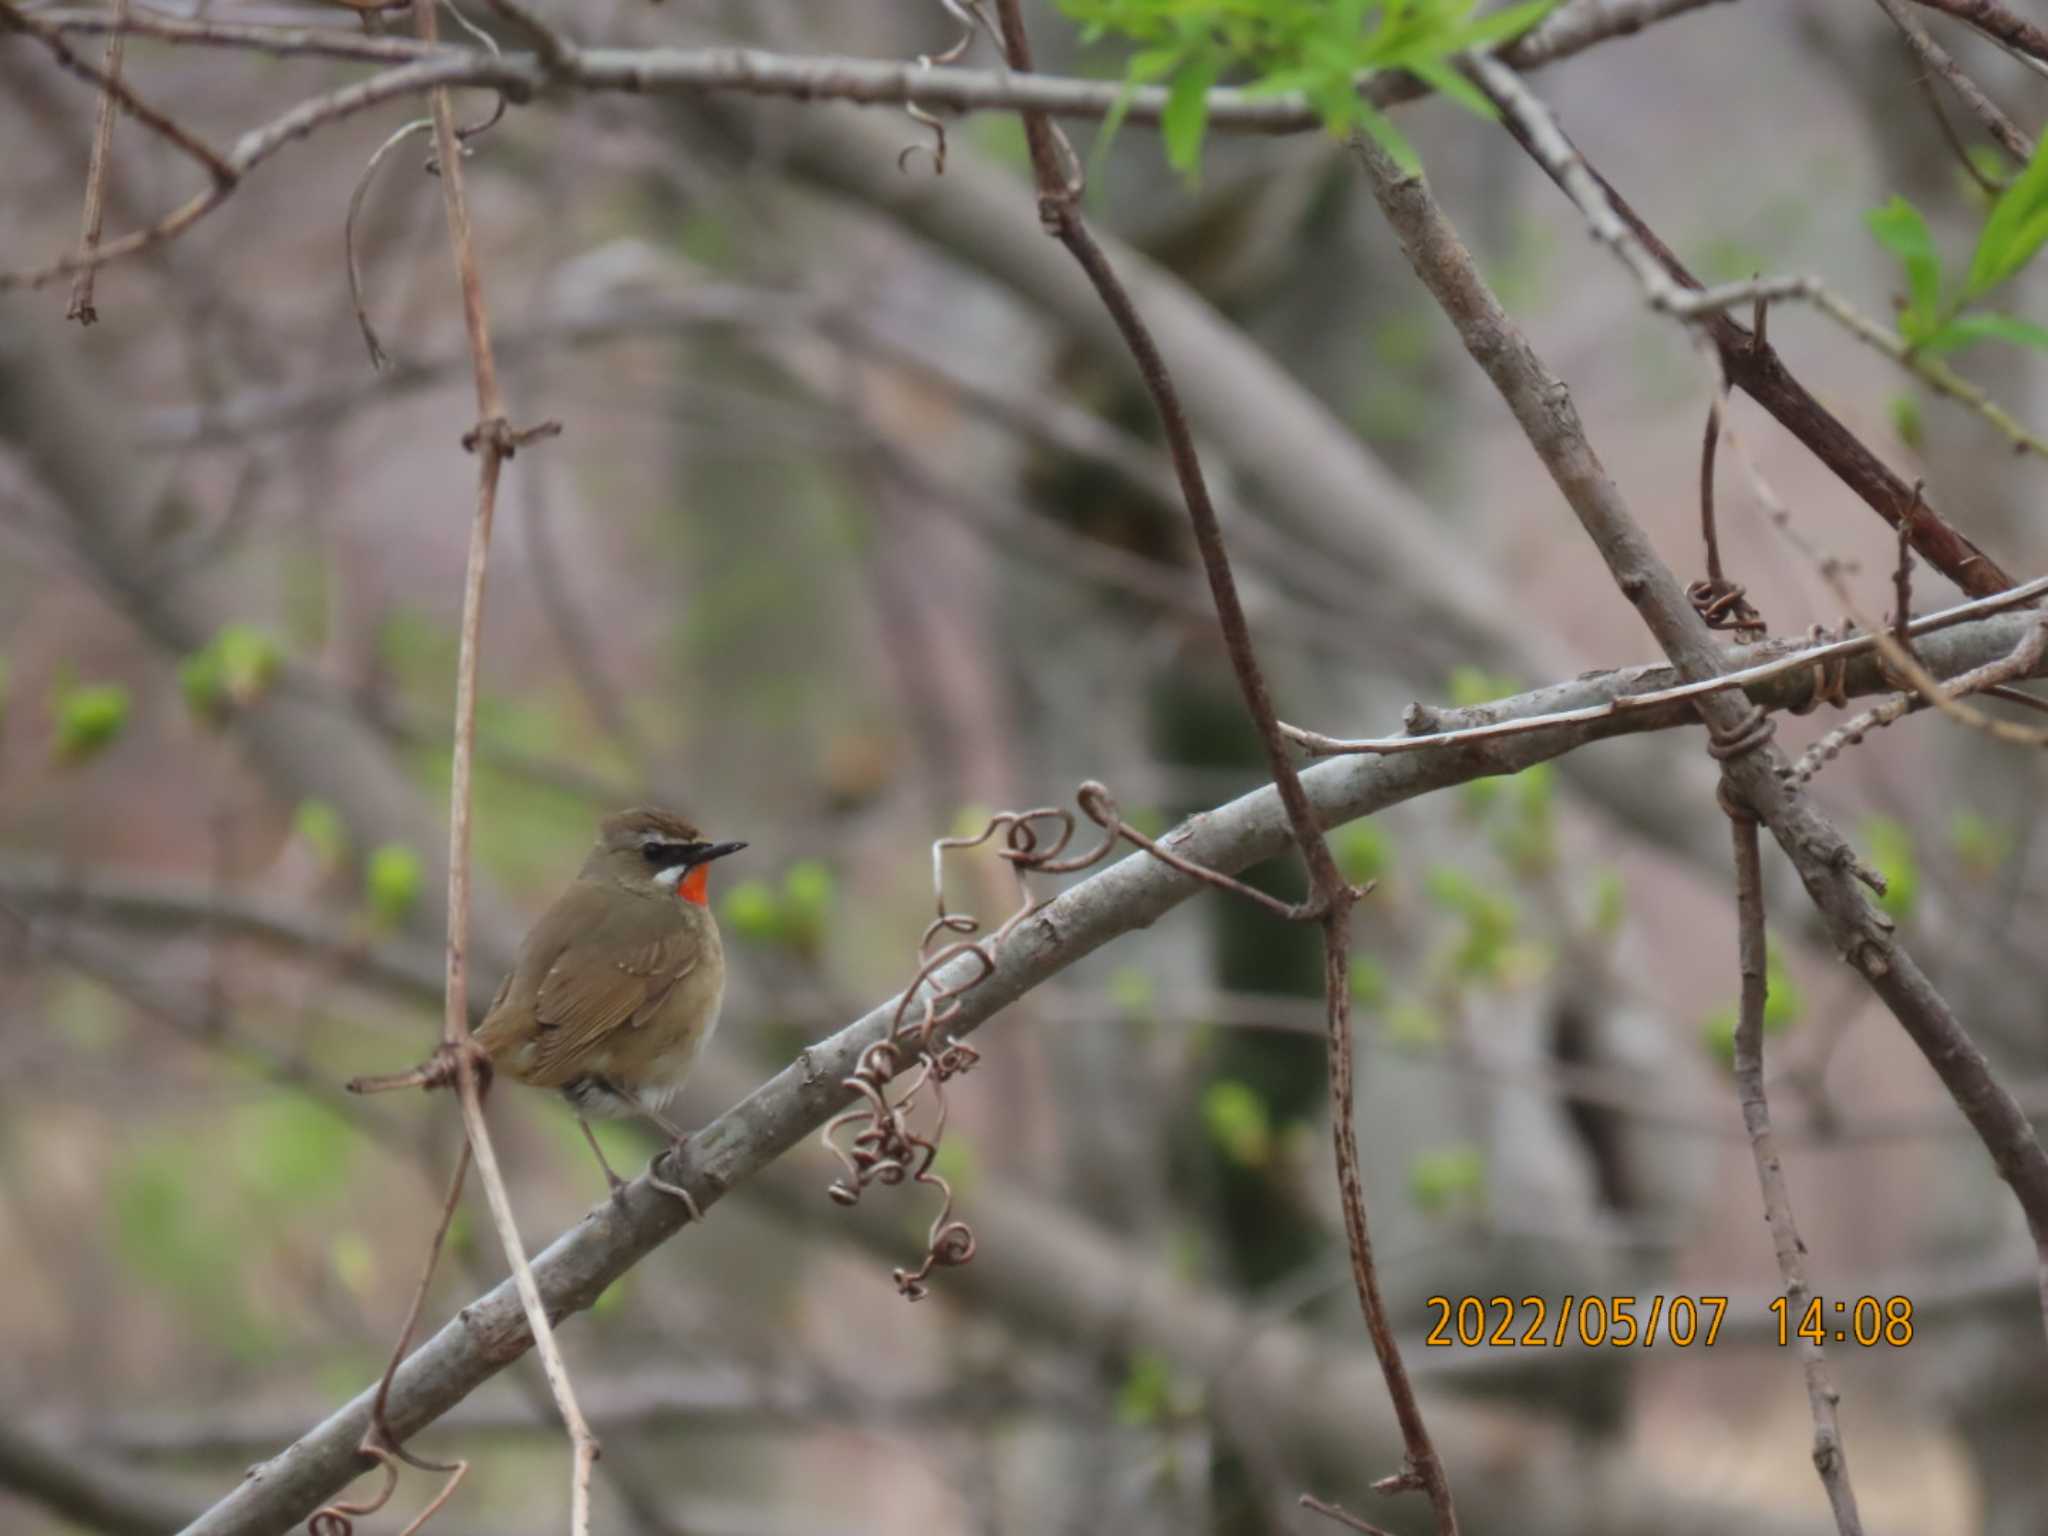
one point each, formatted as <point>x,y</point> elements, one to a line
<point>716,851</point>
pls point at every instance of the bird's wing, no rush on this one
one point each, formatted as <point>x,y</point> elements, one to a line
<point>598,988</point>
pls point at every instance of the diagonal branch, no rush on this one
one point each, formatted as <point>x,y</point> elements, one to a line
<point>1937,58</point>
<point>1753,366</point>
<point>1995,21</point>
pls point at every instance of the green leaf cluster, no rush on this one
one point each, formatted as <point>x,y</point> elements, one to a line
<point>392,881</point>
<point>1941,313</point>
<point>236,667</point>
<point>1784,1003</point>
<point>1364,853</point>
<point>1441,1181</point>
<point>1891,853</point>
<point>89,718</point>
<point>1319,48</point>
<point>1483,950</point>
<point>1238,1122</point>
<point>795,915</point>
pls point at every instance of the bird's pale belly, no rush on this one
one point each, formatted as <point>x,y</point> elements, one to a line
<point>645,1066</point>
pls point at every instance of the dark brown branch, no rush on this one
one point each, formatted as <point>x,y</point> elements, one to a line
<point>1753,366</point>
<point>110,83</point>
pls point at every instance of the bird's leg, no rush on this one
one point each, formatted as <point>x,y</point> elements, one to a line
<point>678,1138</point>
<point>618,1184</point>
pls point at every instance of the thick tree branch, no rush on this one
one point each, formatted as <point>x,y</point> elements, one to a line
<point>1131,894</point>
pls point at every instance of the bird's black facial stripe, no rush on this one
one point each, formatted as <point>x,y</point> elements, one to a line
<point>668,855</point>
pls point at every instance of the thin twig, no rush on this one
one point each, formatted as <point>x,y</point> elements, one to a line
<point>1937,58</point>
<point>97,170</point>
<point>494,441</point>
<point>868,82</point>
<point>1341,1515</point>
<point>1829,1457</point>
<point>1813,658</point>
<point>1669,289</point>
<point>2027,654</point>
<point>224,174</point>
<point>1989,185</point>
<point>1994,20</point>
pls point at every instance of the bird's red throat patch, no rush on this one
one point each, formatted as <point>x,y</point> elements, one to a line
<point>696,885</point>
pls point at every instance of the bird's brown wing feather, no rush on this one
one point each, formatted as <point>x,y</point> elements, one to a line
<point>605,987</point>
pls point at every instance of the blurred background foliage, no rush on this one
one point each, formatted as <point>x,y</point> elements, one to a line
<point>857,533</point>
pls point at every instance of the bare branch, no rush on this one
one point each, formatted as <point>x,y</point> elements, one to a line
<point>1937,58</point>
<point>1828,1455</point>
<point>96,173</point>
<point>1994,20</point>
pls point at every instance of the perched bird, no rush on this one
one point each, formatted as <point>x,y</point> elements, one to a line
<point>616,988</point>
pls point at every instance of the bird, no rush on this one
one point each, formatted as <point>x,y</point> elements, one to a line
<point>616,988</point>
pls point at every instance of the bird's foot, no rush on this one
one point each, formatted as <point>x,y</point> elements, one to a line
<point>654,1178</point>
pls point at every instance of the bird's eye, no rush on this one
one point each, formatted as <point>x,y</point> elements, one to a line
<point>659,854</point>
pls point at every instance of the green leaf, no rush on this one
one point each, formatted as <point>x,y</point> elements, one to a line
<point>392,881</point>
<point>752,911</point>
<point>1439,1180</point>
<point>1368,982</point>
<point>319,825</point>
<point>1984,325</point>
<point>1505,24</point>
<point>2015,230</point>
<point>1237,1121</point>
<point>1610,903</point>
<point>1412,1026</point>
<point>1363,852</point>
<point>1473,685</point>
<point>89,719</point>
<point>1907,422</point>
<point>249,661</point>
<point>1717,1034</point>
<point>1146,1393</point>
<point>1900,229</point>
<point>1784,998</point>
<point>1433,71</point>
<point>200,681</point>
<point>1979,843</point>
<point>1131,992</point>
<point>1387,136</point>
<point>808,893</point>
<point>1186,117</point>
<point>1891,853</point>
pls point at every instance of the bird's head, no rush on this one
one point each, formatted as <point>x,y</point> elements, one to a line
<point>655,852</point>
